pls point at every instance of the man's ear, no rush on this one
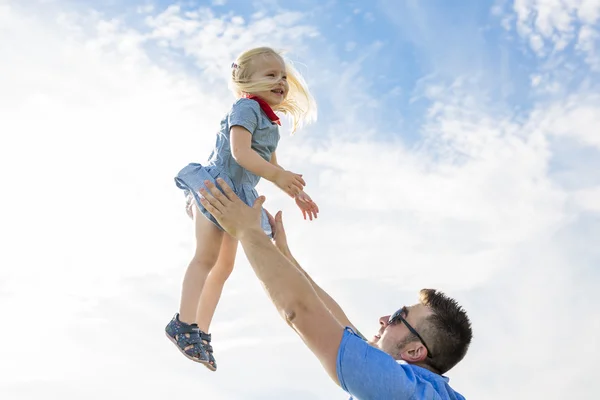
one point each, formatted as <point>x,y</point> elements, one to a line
<point>414,352</point>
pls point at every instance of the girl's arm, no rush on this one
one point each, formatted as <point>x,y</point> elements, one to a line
<point>308,207</point>
<point>241,140</point>
<point>241,149</point>
<point>274,161</point>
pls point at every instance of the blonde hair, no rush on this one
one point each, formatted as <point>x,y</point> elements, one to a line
<point>298,104</point>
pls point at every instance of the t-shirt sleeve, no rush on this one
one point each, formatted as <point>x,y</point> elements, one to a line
<point>366,372</point>
<point>245,113</point>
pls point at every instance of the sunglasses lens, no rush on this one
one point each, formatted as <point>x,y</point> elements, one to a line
<point>395,317</point>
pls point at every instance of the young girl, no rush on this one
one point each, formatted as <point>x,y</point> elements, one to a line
<point>263,82</point>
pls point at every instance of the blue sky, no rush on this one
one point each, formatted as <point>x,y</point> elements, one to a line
<point>401,47</point>
<point>456,147</point>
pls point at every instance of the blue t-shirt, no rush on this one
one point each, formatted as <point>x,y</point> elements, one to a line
<point>367,373</point>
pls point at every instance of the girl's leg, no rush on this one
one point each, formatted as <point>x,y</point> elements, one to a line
<point>208,245</point>
<point>214,283</point>
<point>212,293</point>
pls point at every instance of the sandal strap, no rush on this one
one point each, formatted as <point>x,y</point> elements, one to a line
<point>185,341</point>
<point>196,351</point>
<point>185,328</point>
<point>192,345</point>
<point>205,336</point>
<point>194,335</point>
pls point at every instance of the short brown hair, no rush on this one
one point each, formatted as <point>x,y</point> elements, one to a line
<point>447,330</point>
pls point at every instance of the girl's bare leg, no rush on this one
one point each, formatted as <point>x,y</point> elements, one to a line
<point>208,245</point>
<point>213,287</point>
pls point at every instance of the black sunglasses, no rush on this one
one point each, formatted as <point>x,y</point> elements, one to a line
<point>397,316</point>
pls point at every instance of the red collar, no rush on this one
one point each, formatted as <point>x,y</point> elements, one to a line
<point>265,107</point>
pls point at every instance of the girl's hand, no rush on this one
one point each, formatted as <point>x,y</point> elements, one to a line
<point>289,182</point>
<point>307,205</point>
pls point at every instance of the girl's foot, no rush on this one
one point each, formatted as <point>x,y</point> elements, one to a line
<point>187,339</point>
<point>206,337</point>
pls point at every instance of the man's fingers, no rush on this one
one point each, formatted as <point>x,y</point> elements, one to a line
<point>272,223</point>
<point>279,222</point>
<point>269,215</point>
<point>259,202</point>
<point>216,192</point>
<point>211,199</point>
<point>227,190</point>
<point>211,209</point>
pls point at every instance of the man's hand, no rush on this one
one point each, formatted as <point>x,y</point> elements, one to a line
<point>279,236</point>
<point>307,205</point>
<point>232,213</point>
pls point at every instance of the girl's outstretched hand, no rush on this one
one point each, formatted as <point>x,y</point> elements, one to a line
<point>289,182</point>
<point>307,205</point>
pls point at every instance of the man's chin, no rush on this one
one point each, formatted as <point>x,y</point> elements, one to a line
<point>374,341</point>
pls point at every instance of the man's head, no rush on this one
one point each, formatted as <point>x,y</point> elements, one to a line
<point>435,333</point>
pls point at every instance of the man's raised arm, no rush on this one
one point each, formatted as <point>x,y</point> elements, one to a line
<point>281,243</point>
<point>288,288</point>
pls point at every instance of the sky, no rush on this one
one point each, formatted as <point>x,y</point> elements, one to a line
<point>456,147</point>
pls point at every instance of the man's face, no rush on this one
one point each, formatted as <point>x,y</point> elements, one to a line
<point>390,337</point>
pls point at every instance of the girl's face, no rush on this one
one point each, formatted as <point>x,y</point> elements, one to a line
<point>272,69</point>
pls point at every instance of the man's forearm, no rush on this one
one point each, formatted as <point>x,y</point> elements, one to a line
<point>288,287</point>
<point>330,303</point>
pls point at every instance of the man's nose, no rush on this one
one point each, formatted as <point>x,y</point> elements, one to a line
<point>383,321</point>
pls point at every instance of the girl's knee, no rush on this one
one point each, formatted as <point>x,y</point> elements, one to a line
<point>204,261</point>
<point>222,270</point>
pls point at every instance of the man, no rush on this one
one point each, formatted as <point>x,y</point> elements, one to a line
<point>407,357</point>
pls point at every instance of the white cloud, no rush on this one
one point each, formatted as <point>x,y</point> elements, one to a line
<point>213,42</point>
<point>589,199</point>
<point>99,121</point>
<point>588,44</point>
<point>577,118</point>
<point>551,25</point>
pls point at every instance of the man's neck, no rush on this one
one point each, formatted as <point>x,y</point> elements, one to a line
<point>421,365</point>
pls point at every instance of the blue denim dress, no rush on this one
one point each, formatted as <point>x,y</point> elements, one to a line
<point>221,164</point>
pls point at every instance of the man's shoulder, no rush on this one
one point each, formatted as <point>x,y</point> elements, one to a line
<point>366,372</point>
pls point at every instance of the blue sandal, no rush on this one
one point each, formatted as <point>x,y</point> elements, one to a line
<point>187,339</point>
<point>206,337</point>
